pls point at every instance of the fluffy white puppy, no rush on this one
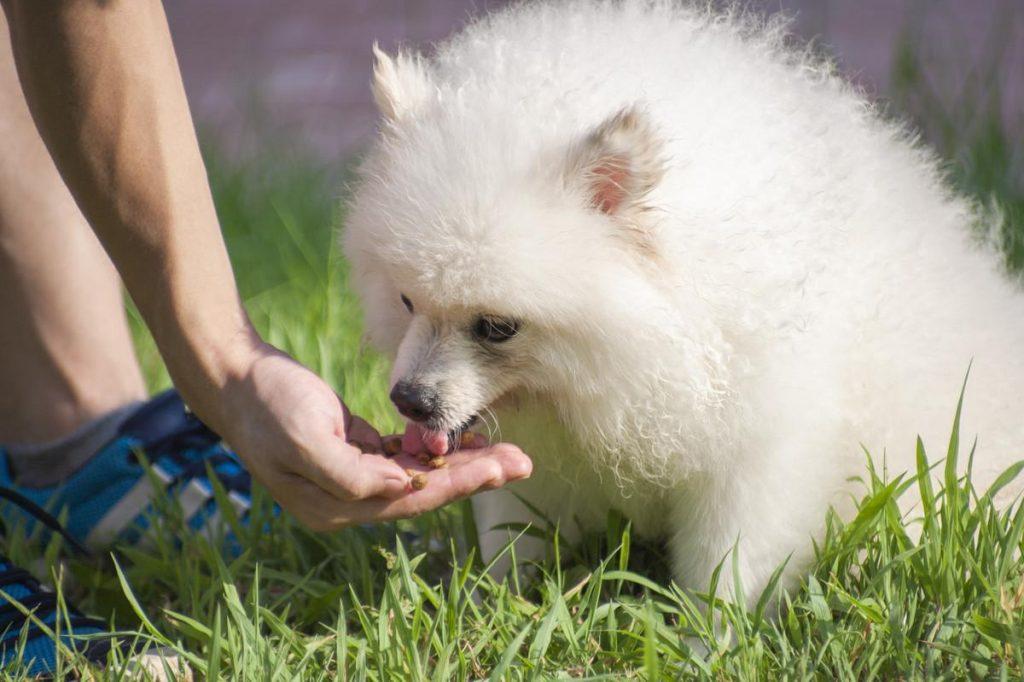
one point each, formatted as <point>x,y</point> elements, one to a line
<point>689,268</point>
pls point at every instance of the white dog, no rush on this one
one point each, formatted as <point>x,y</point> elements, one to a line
<point>691,270</point>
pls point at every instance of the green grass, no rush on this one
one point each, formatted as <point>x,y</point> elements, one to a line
<point>939,596</point>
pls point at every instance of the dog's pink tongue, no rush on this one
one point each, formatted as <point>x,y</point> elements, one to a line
<point>435,442</point>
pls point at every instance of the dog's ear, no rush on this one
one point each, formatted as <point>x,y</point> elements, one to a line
<point>400,84</point>
<point>619,164</point>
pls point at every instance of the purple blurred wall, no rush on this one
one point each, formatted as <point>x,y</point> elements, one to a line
<point>258,68</point>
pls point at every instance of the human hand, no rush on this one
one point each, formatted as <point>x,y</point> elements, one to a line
<point>463,467</point>
<point>323,464</point>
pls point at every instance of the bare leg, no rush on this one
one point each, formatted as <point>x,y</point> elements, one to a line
<point>66,355</point>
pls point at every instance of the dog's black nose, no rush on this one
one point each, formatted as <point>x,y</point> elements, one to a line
<point>414,401</point>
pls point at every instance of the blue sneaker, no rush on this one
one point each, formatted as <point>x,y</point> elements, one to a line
<point>27,647</point>
<point>110,499</point>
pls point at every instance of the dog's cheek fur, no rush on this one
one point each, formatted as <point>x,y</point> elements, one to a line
<point>617,380</point>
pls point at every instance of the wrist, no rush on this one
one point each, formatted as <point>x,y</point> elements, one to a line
<point>207,354</point>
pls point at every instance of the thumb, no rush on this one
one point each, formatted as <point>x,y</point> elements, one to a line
<point>347,473</point>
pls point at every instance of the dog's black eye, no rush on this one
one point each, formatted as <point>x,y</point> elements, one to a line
<point>495,329</point>
<point>406,302</point>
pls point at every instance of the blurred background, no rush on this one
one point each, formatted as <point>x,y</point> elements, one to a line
<point>258,68</point>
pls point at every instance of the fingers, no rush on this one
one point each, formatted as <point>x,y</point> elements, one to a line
<point>348,474</point>
<point>468,472</point>
<point>370,475</point>
<point>466,467</point>
<point>359,433</point>
<point>315,508</point>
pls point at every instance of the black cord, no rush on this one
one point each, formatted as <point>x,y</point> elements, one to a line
<point>44,516</point>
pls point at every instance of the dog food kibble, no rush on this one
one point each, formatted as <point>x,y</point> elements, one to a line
<point>419,481</point>
<point>392,447</point>
<point>438,463</point>
<point>467,438</point>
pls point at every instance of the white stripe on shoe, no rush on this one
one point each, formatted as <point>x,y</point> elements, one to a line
<point>192,498</point>
<point>127,509</point>
<point>240,504</point>
<point>214,526</point>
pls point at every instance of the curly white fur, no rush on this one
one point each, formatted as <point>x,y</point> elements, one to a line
<point>730,272</point>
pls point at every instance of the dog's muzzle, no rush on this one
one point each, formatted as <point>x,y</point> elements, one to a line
<point>415,401</point>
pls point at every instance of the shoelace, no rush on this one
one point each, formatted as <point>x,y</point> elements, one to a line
<point>44,517</point>
<point>40,602</point>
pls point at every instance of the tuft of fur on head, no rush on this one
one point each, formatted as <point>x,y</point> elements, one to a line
<point>399,84</point>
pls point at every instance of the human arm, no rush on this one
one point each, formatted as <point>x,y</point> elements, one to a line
<point>104,89</point>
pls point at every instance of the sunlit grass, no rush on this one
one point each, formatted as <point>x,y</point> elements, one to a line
<point>934,596</point>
